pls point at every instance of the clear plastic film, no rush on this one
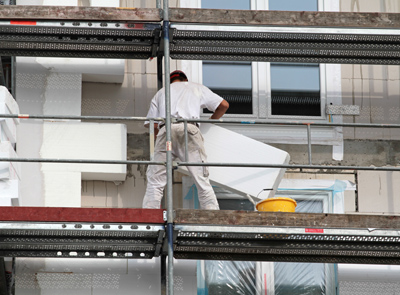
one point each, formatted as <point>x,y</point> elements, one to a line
<point>270,278</point>
<point>230,277</point>
<point>278,278</point>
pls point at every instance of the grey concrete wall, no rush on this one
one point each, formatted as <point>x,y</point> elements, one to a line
<point>356,153</point>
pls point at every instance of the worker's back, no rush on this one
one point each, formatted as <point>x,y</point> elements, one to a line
<point>187,101</point>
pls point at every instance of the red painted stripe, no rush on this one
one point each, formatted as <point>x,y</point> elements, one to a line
<point>61,214</point>
<point>21,116</point>
<point>139,26</point>
<point>23,22</point>
<point>314,230</point>
<point>265,283</point>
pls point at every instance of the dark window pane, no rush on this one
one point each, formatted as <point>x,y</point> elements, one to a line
<point>293,5</point>
<point>231,277</point>
<point>233,82</point>
<point>295,89</point>
<point>301,278</point>
<point>225,4</point>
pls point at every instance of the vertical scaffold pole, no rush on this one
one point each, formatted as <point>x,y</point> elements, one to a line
<point>170,215</point>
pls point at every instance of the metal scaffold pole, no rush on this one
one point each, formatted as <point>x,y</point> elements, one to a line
<point>168,146</point>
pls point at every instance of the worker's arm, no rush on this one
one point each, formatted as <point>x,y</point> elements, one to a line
<point>220,110</point>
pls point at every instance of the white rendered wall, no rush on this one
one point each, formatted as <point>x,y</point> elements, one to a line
<point>53,86</point>
<point>40,92</point>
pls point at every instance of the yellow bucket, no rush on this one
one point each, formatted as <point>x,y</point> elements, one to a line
<point>277,204</point>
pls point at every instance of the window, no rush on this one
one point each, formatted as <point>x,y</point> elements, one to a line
<point>228,4</point>
<point>232,81</point>
<point>230,277</point>
<point>281,90</point>
<point>244,277</point>
<point>295,89</point>
<point>294,5</point>
<point>305,278</point>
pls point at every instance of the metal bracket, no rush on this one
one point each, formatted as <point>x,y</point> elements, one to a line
<point>165,215</point>
<point>165,212</point>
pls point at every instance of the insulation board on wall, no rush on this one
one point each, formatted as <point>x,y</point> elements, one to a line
<point>9,170</point>
<point>8,126</point>
<point>86,141</point>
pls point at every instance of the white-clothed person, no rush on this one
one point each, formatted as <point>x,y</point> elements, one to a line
<point>187,101</point>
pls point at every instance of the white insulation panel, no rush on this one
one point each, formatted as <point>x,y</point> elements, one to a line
<point>86,141</point>
<point>8,126</point>
<point>9,188</point>
<point>225,146</point>
<point>9,170</point>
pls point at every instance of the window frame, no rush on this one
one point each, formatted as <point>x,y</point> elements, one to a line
<point>261,84</point>
<point>330,82</point>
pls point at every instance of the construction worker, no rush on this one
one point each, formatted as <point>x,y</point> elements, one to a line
<point>187,101</point>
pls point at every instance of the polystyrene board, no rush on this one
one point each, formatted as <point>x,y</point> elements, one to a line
<point>148,284</point>
<point>85,265</point>
<point>62,189</point>
<point>5,201</point>
<point>8,170</point>
<point>6,99</point>
<point>8,129</point>
<point>86,141</point>
<point>144,266</point>
<point>363,273</point>
<point>225,146</point>
<point>9,188</point>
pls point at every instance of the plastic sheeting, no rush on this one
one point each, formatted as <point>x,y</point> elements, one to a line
<point>268,278</point>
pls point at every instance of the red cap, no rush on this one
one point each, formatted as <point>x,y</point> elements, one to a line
<point>176,74</point>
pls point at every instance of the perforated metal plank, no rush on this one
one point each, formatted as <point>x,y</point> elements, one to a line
<point>75,39</point>
<point>287,244</point>
<point>286,47</point>
<point>23,239</point>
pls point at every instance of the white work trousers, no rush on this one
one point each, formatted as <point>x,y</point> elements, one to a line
<point>157,174</point>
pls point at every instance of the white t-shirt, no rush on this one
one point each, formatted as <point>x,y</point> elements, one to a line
<point>187,101</point>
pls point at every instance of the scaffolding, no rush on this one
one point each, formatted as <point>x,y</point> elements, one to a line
<point>187,234</point>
